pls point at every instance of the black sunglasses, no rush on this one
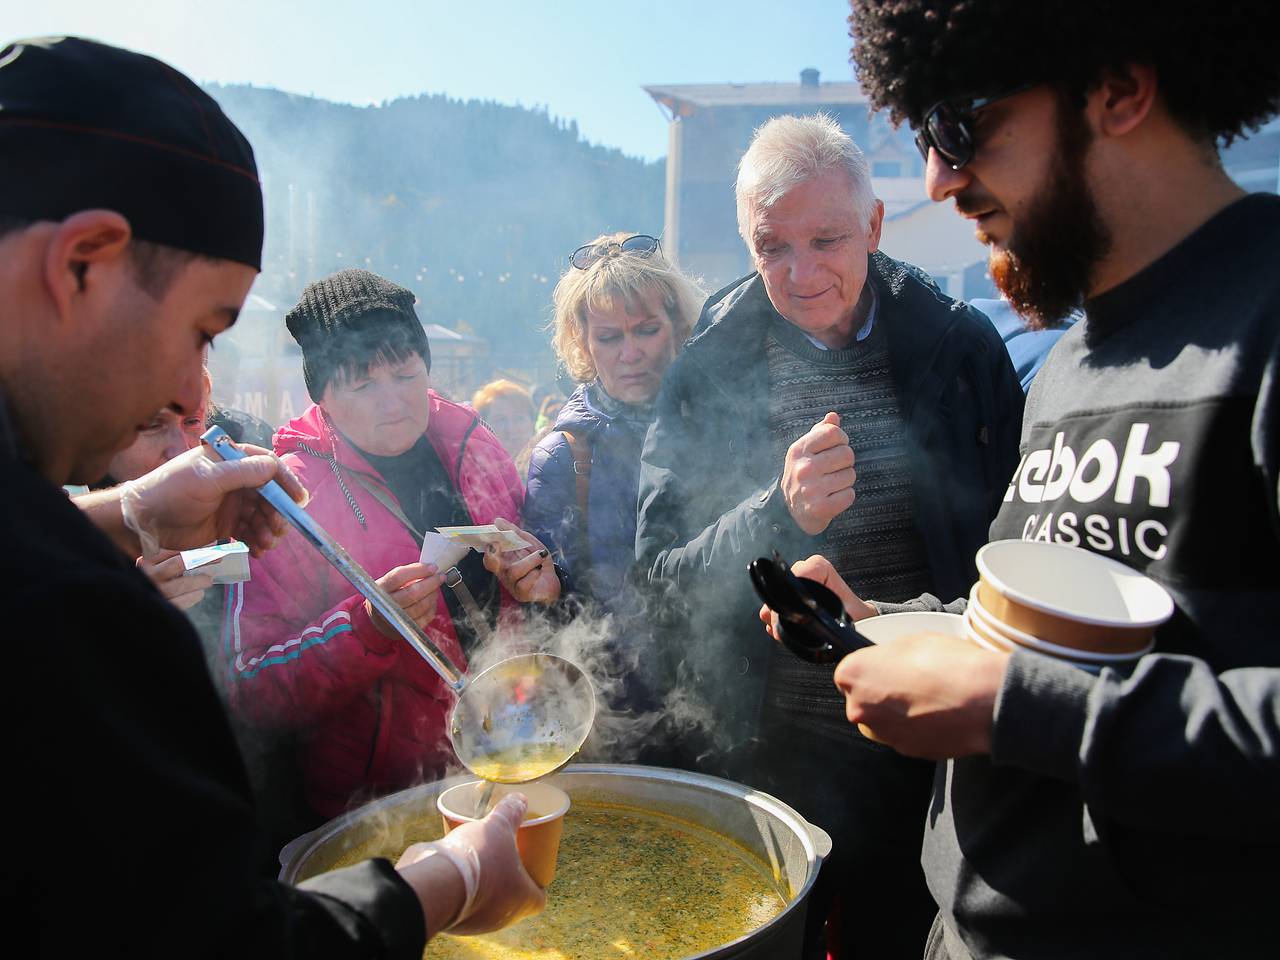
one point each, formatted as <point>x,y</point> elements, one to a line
<point>640,245</point>
<point>948,127</point>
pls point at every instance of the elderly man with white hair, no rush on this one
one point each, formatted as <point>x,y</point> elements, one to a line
<point>833,402</point>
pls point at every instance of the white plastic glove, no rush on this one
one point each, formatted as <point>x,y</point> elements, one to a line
<point>499,891</point>
<point>194,499</point>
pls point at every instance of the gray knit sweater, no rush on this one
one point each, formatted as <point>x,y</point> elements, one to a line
<point>874,544</point>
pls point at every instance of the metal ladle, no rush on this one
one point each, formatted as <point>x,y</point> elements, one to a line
<point>521,719</point>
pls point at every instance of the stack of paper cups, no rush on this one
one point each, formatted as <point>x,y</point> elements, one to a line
<point>1063,602</point>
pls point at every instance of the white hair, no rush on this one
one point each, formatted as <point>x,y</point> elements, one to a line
<point>788,151</point>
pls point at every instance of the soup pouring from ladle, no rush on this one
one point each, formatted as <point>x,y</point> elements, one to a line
<point>521,719</point>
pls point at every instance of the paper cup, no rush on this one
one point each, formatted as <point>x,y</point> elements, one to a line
<point>1070,597</point>
<point>978,615</point>
<point>977,637</point>
<point>538,837</point>
<point>891,626</point>
<point>978,634</point>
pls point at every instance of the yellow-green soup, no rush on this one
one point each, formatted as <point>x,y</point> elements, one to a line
<point>628,884</point>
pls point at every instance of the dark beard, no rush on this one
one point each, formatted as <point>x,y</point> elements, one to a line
<point>1045,270</point>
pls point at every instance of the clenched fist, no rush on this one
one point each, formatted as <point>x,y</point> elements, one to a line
<point>818,476</point>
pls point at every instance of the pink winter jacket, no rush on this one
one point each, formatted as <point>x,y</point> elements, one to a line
<point>299,651</point>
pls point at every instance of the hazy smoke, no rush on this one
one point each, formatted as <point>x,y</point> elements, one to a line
<point>599,643</point>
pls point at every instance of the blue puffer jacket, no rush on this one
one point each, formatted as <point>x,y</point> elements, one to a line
<point>598,570</point>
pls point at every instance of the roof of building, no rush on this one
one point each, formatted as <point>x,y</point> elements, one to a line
<point>435,332</point>
<point>685,98</point>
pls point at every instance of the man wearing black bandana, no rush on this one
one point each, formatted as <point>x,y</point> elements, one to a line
<point>130,233</point>
<point>1133,813</point>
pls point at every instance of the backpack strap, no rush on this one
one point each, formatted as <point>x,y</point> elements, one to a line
<point>581,451</point>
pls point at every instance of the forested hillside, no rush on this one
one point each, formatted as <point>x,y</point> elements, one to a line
<point>473,205</point>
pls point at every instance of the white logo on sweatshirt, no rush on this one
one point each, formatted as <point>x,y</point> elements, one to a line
<point>1049,474</point>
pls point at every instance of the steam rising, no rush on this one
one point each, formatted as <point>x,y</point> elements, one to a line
<point>474,207</point>
<point>599,644</point>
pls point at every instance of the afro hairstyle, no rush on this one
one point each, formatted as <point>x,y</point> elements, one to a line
<point>1216,63</point>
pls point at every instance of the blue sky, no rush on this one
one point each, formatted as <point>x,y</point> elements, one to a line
<point>582,60</point>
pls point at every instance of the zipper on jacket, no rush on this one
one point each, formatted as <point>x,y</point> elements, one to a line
<point>377,731</point>
<point>462,452</point>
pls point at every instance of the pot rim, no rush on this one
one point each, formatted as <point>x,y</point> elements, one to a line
<point>815,840</point>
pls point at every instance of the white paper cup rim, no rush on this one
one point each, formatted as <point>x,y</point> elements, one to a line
<point>1159,597</point>
<point>948,623</point>
<point>502,790</point>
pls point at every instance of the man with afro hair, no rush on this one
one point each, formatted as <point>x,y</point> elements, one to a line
<point>1135,812</point>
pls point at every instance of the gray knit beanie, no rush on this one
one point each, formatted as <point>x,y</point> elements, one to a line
<point>349,320</point>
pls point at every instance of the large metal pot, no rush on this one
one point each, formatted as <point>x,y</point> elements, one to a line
<point>766,826</point>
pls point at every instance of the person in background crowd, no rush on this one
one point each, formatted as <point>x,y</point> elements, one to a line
<point>549,399</point>
<point>507,409</point>
<point>110,287</point>
<point>241,426</point>
<point>197,423</point>
<point>1134,813</point>
<point>548,411</point>
<point>830,350</point>
<point>168,435</point>
<point>1027,348</point>
<point>385,460</point>
<point>622,312</point>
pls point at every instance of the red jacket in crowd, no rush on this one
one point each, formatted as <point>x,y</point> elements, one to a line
<point>298,650</point>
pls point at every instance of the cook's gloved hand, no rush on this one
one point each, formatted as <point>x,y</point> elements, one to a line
<point>194,500</point>
<point>499,891</point>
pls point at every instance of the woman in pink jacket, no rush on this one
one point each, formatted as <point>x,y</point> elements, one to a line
<point>385,459</point>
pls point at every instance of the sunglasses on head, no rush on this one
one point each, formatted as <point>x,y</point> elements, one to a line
<point>639,245</point>
<point>948,127</point>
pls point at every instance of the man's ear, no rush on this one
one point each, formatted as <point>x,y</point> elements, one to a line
<point>873,232</point>
<point>83,241</point>
<point>1123,100</point>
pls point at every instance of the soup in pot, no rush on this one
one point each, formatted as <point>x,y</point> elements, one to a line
<point>629,883</point>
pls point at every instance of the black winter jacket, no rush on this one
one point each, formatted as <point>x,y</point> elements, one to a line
<point>138,835</point>
<point>710,502</point>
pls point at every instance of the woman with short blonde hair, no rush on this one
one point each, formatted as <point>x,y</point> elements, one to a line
<point>622,311</point>
<point>613,275</point>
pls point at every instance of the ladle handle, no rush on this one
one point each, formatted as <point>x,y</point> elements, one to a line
<point>221,444</point>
